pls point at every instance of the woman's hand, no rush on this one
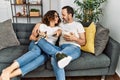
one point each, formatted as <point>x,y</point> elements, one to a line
<point>57,33</point>
<point>42,34</point>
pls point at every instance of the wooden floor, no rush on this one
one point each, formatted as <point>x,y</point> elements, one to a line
<point>114,77</point>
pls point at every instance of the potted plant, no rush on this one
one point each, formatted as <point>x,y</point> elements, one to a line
<point>88,10</point>
<point>34,12</point>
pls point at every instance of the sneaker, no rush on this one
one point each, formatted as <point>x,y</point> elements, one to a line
<point>41,36</point>
<point>60,56</point>
<point>63,60</point>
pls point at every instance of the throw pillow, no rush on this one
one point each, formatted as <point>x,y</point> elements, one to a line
<point>101,39</point>
<point>90,36</point>
<point>7,36</point>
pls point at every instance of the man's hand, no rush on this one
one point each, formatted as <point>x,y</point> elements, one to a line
<point>70,37</point>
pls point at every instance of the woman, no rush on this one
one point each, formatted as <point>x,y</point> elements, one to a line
<point>35,56</point>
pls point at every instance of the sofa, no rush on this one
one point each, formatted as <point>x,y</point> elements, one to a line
<point>86,65</point>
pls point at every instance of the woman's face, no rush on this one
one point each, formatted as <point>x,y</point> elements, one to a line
<point>56,18</point>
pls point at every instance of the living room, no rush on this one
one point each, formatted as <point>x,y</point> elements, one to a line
<point>109,20</point>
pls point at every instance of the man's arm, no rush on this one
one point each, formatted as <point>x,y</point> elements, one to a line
<point>81,40</point>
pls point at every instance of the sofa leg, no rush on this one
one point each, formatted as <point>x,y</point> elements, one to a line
<point>102,77</point>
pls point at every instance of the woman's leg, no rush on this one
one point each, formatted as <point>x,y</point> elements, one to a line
<point>12,67</point>
<point>59,73</point>
<point>29,56</point>
<point>6,72</point>
<point>47,47</point>
<point>15,73</point>
<point>28,67</point>
<point>32,43</point>
<point>26,58</point>
<point>40,60</point>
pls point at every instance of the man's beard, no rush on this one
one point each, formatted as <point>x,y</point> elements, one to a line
<point>65,21</point>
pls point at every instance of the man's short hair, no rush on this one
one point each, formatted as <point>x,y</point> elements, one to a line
<point>69,10</point>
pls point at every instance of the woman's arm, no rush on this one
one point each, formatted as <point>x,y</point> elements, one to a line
<point>35,32</point>
<point>58,33</point>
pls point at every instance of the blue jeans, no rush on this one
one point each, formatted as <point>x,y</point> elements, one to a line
<point>68,49</point>
<point>32,59</point>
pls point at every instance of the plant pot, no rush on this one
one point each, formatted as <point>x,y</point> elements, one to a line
<point>86,24</point>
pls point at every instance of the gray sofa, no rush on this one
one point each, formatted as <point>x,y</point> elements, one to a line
<point>86,65</point>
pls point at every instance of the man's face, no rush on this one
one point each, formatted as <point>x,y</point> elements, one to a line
<point>65,16</point>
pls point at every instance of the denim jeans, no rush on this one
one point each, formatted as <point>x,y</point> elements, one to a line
<point>32,59</point>
<point>68,49</point>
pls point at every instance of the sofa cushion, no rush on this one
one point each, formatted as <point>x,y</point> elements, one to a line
<point>23,31</point>
<point>87,61</point>
<point>101,39</point>
<point>7,35</point>
<point>7,55</point>
<point>90,36</point>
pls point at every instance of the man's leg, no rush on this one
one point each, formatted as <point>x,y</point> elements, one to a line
<point>72,52</point>
<point>59,73</point>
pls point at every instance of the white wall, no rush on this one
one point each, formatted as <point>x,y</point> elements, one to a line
<point>111,20</point>
<point>5,10</point>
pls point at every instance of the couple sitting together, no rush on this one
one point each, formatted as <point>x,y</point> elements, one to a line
<point>42,46</point>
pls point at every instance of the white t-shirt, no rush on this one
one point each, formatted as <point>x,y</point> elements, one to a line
<point>50,31</point>
<point>74,27</point>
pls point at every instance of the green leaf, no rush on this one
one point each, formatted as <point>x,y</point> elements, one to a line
<point>88,10</point>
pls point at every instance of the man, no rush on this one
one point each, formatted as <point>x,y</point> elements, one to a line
<point>72,38</point>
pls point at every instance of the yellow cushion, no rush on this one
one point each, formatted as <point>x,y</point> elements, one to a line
<point>90,36</point>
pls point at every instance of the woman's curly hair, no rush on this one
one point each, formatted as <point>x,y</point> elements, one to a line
<point>50,15</point>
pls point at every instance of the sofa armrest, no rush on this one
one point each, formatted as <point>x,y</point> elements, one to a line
<point>112,50</point>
